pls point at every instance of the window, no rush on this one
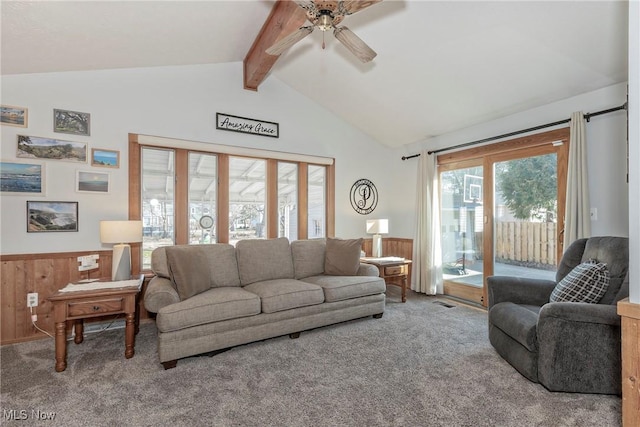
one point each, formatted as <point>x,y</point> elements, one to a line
<point>157,200</point>
<point>317,207</point>
<point>203,184</point>
<point>288,200</point>
<point>187,193</point>
<point>247,199</point>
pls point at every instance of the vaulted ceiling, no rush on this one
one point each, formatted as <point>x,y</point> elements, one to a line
<point>441,65</point>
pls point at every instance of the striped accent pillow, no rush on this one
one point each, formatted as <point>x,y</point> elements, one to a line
<point>587,282</point>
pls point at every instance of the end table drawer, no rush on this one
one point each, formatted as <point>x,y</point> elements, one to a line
<point>396,269</point>
<point>104,306</point>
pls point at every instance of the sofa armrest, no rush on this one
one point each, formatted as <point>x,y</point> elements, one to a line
<point>579,348</point>
<point>581,312</point>
<point>160,293</point>
<point>519,290</point>
<point>367,270</point>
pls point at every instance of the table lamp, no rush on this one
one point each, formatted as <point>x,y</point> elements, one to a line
<point>377,227</point>
<point>121,233</point>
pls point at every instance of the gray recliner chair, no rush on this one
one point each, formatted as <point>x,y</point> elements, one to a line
<point>565,346</point>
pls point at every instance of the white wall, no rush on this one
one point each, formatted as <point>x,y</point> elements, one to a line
<point>607,150</point>
<point>634,151</point>
<point>175,102</point>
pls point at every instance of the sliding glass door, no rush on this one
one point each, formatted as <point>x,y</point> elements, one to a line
<point>462,230</point>
<point>502,212</point>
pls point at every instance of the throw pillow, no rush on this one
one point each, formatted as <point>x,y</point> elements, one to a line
<point>342,257</point>
<point>189,270</point>
<point>587,282</point>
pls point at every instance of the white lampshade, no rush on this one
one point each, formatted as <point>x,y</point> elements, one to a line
<point>377,226</point>
<point>120,231</point>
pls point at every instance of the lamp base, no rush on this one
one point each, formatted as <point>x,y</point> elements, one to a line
<point>121,262</point>
<point>376,250</point>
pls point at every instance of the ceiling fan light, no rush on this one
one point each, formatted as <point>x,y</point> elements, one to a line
<point>325,21</point>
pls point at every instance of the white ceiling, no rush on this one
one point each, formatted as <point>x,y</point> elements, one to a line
<point>441,65</point>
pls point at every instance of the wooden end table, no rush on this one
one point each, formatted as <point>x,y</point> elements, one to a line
<point>79,305</point>
<point>394,271</point>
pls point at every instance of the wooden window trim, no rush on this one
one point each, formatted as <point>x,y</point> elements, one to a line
<point>181,229</point>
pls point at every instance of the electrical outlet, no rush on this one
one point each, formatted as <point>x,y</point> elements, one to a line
<point>32,299</point>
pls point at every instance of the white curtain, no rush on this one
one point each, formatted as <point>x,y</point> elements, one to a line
<point>427,257</point>
<point>577,218</point>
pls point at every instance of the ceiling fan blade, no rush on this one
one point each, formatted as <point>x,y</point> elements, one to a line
<point>288,41</point>
<point>349,7</point>
<point>355,45</point>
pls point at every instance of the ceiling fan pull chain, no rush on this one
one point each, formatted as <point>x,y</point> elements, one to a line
<point>323,39</point>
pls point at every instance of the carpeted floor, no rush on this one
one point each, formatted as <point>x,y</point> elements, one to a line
<point>422,364</point>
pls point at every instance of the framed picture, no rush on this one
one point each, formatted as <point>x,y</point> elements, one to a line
<point>22,178</point>
<point>51,216</point>
<point>92,182</point>
<point>74,122</point>
<point>51,149</point>
<point>105,158</point>
<point>13,116</point>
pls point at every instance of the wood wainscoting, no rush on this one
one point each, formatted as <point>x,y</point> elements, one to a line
<point>45,274</point>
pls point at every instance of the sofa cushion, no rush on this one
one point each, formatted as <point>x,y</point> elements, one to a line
<point>342,256</point>
<point>517,321</point>
<point>587,282</point>
<point>308,257</point>
<point>260,260</point>
<point>196,268</point>
<point>213,305</point>
<point>338,288</point>
<point>285,294</point>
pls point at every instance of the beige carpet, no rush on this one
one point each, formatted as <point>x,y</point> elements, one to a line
<point>422,364</point>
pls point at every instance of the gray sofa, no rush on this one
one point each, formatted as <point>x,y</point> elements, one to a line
<point>565,346</point>
<point>212,297</point>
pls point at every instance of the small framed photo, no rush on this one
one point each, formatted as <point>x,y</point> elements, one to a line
<point>105,158</point>
<point>73,122</point>
<point>11,115</point>
<point>51,216</point>
<point>22,178</point>
<point>92,182</point>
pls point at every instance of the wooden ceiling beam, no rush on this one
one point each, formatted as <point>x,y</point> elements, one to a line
<point>286,17</point>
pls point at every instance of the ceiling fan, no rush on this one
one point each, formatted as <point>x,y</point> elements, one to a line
<point>326,15</point>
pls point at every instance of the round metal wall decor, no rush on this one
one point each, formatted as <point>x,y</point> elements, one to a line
<point>364,196</point>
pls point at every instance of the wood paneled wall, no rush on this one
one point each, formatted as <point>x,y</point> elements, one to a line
<point>45,274</point>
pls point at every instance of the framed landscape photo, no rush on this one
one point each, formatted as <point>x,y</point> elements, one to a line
<point>92,182</point>
<point>74,122</point>
<point>22,178</point>
<point>31,147</point>
<point>105,158</point>
<point>13,116</point>
<point>51,216</point>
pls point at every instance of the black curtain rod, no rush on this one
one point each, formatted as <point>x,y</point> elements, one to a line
<point>561,122</point>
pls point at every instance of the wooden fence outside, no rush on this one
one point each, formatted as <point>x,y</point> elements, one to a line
<point>526,242</point>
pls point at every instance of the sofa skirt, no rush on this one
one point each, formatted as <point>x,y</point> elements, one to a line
<point>229,333</point>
